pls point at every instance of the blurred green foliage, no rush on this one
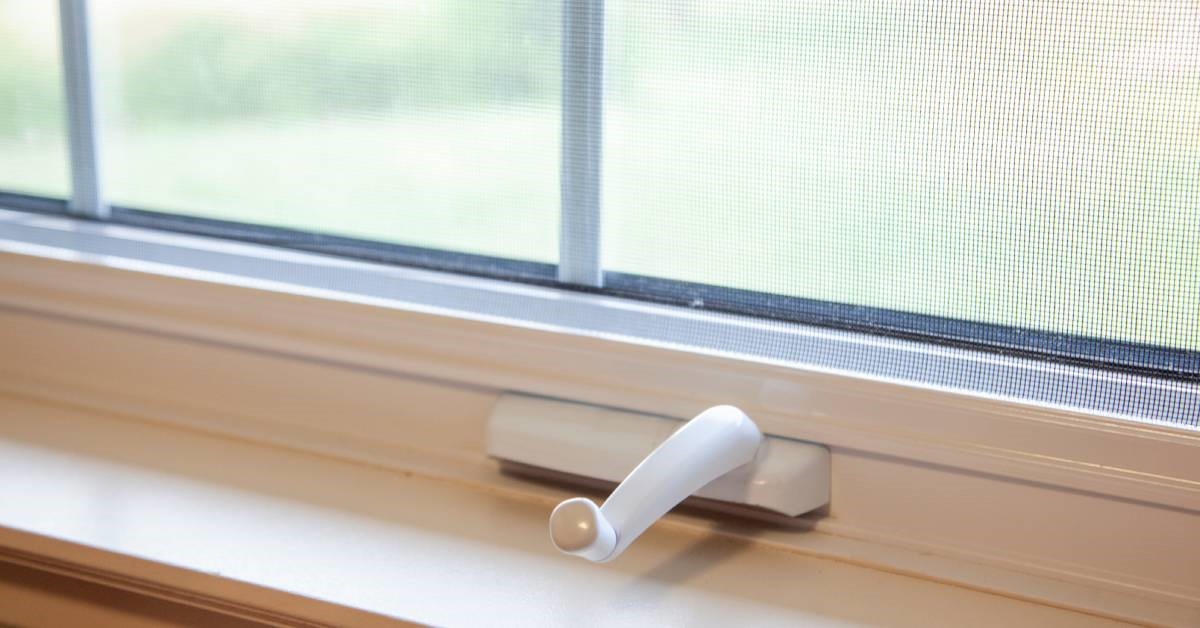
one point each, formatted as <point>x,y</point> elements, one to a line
<point>1026,166</point>
<point>216,65</point>
<point>30,87</point>
<point>461,54</point>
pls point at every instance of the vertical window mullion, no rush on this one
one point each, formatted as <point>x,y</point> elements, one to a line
<point>87,198</point>
<point>579,173</point>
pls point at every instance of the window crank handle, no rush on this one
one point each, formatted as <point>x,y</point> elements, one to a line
<point>712,444</point>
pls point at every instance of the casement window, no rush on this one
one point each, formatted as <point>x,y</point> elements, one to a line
<point>1020,180</point>
<point>941,235</point>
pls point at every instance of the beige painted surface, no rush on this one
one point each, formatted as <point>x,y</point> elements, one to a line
<point>1042,542</point>
<point>33,598</point>
<point>408,546</point>
<point>993,494</point>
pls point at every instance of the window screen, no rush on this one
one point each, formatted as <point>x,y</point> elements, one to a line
<point>33,158</point>
<point>430,123</point>
<point>1018,176</point>
<point>1030,165</point>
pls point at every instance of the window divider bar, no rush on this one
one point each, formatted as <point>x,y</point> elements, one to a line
<point>579,169</point>
<point>87,198</point>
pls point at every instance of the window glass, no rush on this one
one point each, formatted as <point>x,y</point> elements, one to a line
<point>33,152</point>
<point>1031,164</point>
<point>423,122</point>
<point>1018,176</point>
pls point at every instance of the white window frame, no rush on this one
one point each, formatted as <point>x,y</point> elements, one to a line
<point>997,430</point>
<point>1136,482</point>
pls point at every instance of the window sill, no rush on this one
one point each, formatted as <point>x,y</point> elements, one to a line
<point>1039,501</point>
<point>272,534</point>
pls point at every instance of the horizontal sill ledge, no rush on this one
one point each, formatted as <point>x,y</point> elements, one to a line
<point>280,535</point>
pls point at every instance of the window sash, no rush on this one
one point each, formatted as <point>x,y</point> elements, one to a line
<point>579,265</point>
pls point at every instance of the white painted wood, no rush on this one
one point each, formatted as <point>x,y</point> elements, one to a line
<point>889,513</point>
<point>212,520</point>
<point>1153,463</point>
<point>1053,504</point>
<point>38,597</point>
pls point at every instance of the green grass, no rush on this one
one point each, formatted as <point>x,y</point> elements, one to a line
<point>32,148</point>
<point>481,183</point>
<point>374,56</point>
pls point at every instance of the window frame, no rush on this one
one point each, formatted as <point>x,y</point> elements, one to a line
<point>572,342</point>
<point>540,302</point>
<point>136,285</point>
<point>664,369</point>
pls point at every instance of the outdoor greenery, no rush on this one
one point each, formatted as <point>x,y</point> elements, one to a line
<point>214,66</point>
<point>1035,166</point>
<point>30,93</point>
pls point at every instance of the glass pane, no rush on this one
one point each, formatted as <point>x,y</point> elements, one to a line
<point>33,148</point>
<point>424,122</point>
<point>1027,164</point>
